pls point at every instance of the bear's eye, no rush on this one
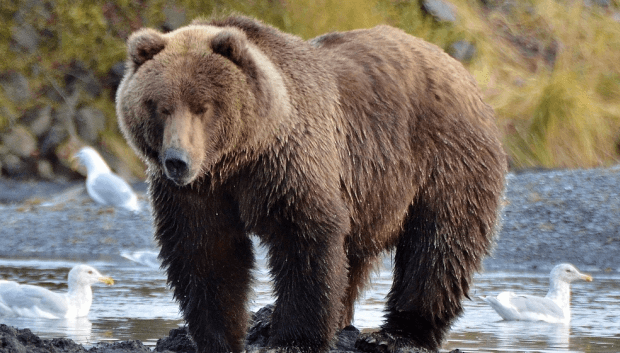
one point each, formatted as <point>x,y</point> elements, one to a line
<point>165,111</point>
<point>199,110</point>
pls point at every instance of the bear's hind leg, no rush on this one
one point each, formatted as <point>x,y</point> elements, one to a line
<point>431,276</point>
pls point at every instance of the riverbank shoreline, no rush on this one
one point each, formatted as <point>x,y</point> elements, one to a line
<point>550,216</point>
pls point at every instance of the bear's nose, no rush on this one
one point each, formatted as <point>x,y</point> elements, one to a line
<point>176,164</point>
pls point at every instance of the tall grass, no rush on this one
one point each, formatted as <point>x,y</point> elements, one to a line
<point>551,70</point>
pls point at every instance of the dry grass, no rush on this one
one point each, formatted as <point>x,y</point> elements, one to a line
<point>551,71</point>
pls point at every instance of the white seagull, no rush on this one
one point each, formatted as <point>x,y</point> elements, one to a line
<point>103,186</point>
<point>553,308</point>
<point>33,301</point>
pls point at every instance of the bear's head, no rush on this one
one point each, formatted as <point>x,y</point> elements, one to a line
<point>191,96</point>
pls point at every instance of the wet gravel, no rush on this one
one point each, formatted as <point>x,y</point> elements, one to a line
<point>550,216</point>
<point>560,216</point>
<point>59,220</point>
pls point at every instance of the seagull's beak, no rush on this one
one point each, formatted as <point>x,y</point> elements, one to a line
<point>107,280</point>
<point>586,278</point>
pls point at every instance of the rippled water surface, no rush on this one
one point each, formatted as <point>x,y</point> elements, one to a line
<point>140,307</point>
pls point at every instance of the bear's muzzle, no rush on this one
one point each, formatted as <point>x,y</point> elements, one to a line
<point>176,164</point>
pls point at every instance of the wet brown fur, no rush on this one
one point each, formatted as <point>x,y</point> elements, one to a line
<point>331,151</point>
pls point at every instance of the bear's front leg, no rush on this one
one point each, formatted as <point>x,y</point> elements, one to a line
<point>208,259</point>
<point>310,272</point>
<point>212,290</point>
<point>213,293</point>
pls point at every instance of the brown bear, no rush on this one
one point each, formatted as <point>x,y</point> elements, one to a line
<point>331,151</point>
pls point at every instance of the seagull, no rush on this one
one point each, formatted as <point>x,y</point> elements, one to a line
<point>553,308</point>
<point>33,301</point>
<point>103,186</point>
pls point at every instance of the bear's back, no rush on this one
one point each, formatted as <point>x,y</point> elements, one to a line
<point>403,69</point>
<point>409,111</point>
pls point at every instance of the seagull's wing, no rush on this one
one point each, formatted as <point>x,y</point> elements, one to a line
<point>7,285</point>
<point>525,307</point>
<point>536,307</point>
<point>110,189</point>
<point>503,308</point>
<point>34,299</point>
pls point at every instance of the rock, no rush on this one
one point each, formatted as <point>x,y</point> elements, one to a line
<point>25,37</point>
<point>178,340</point>
<point>13,166</point>
<point>15,87</point>
<point>28,8</point>
<point>346,339</point>
<point>441,10</point>
<point>462,51</point>
<point>131,346</point>
<point>89,122</point>
<point>600,3</point>
<point>257,337</point>
<point>504,6</point>
<point>79,77</point>
<point>114,77</point>
<point>7,115</point>
<point>19,141</point>
<point>175,17</point>
<point>18,341</point>
<point>258,334</point>
<point>66,150</point>
<point>39,120</point>
<point>45,169</point>
<point>54,91</point>
<point>55,136</point>
<point>64,114</point>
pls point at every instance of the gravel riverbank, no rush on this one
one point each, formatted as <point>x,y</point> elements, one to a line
<point>560,216</point>
<point>550,216</point>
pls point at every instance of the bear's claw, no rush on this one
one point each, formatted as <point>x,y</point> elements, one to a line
<point>385,342</point>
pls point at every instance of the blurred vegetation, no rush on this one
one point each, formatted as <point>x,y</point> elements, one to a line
<point>549,68</point>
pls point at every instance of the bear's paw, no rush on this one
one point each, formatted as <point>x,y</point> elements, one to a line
<point>385,342</point>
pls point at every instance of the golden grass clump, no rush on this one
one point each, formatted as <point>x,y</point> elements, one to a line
<point>567,127</point>
<point>551,70</point>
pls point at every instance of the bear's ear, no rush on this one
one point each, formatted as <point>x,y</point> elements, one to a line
<point>231,46</point>
<point>144,44</point>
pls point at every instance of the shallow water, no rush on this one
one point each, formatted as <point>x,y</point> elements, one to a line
<point>140,307</point>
